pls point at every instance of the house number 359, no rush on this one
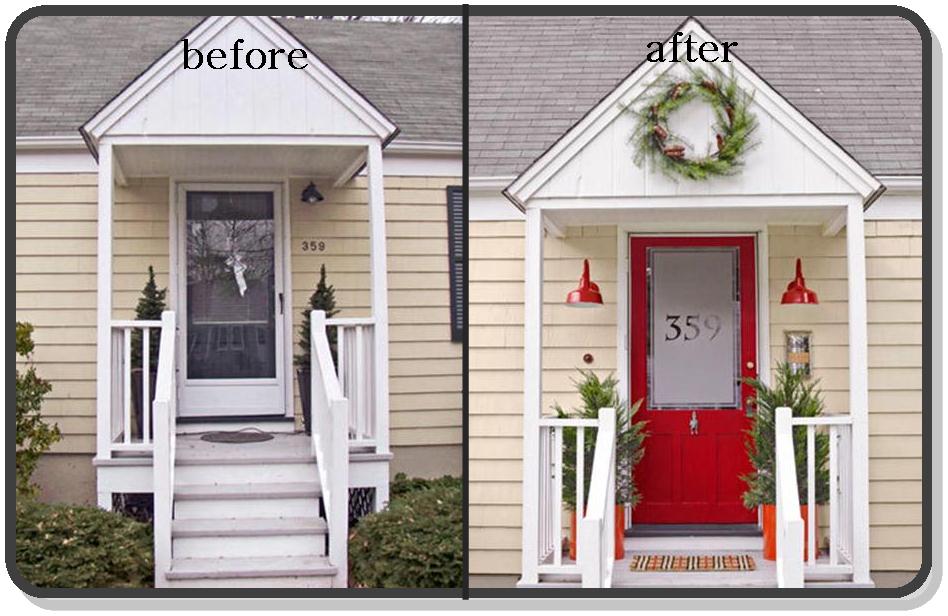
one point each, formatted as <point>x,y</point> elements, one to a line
<point>690,326</point>
<point>314,246</point>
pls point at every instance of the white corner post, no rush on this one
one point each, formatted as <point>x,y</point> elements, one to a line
<point>532,390</point>
<point>858,386</point>
<point>379,281</point>
<point>103,387</point>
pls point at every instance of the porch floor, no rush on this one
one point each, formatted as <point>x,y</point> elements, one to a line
<point>764,576</point>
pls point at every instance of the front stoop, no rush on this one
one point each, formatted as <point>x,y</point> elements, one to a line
<point>248,515</point>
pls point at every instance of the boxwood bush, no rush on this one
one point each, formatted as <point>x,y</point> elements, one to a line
<point>67,546</point>
<point>415,542</point>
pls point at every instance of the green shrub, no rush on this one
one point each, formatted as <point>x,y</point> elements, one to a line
<point>33,436</point>
<point>415,542</point>
<point>65,546</point>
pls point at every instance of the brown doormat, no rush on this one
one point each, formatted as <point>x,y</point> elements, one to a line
<point>666,562</point>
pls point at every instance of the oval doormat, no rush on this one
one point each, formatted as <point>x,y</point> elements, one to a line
<point>237,436</point>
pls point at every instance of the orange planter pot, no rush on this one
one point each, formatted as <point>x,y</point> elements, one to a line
<point>770,530</point>
<point>619,539</point>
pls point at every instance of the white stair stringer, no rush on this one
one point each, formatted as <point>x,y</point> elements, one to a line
<point>248,516</point>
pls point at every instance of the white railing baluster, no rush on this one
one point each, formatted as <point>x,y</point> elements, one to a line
<point>580,481</point>
<point>834,495</point>
<point>357,391</point>
<point>811,493</point>
<point>558,489</point>
<point>127,385</point>
<point>146,384</point>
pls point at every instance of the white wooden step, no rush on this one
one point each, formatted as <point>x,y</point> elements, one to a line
<point>217,546</point>
<point>244,527</point>
<point>267,572</point>
<point>243,491</point>
<point>233,472</point>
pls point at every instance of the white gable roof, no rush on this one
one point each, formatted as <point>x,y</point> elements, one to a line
<point>168,100</point>
<point>595,157</point>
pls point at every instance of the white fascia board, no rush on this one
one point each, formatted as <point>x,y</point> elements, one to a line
<point>162,69</point>
<point>582,133</point>
<point>407,146</point>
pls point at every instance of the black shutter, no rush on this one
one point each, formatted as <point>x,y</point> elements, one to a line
<point>456,260</point>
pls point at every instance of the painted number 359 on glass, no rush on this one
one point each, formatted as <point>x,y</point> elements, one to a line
<point>691,326</point>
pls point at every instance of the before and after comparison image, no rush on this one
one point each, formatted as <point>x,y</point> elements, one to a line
<point>624,307</point>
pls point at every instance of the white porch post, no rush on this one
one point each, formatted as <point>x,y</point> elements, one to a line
<point>104,311</point>
<point>858,386</point>
<point>532,389</point>
<point>379,281</point>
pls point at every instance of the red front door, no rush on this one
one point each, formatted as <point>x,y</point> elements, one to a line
<point>693,341</point>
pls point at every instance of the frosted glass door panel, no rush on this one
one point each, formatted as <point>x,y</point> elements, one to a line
<point>694,328</point>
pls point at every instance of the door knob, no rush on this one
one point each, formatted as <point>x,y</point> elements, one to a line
<point>693,424</point>
<point>750,365</point>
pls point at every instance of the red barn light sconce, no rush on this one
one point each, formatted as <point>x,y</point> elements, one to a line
<point>797,291</point>
<point>587,294</point>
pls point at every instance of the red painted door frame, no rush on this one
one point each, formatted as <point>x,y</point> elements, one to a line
<point>686,478</point>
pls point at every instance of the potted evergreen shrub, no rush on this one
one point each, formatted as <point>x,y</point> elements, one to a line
<point>791,390</point>
<point>150,306</point>
<point>595,394</point>
<point>323,298</point>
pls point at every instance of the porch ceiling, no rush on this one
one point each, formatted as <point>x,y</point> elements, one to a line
<point>696,216</point>
<point>239,161</point>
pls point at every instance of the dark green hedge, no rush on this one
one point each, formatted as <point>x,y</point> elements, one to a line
<point>415,542</point>
<point>66,546</point>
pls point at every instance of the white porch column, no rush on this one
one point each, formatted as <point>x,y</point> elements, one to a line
<point>532,389</point>
<point>379,281</point>
<point>103,387</point>
<point>858,386</point>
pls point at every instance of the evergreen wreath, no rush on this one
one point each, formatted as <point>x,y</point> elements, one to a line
<point>734,126</point>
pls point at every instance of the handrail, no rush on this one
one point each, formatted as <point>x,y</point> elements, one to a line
<point>597,527</point>
<point>330,415</point>
<point>789,528</point>
<point>165,411</point>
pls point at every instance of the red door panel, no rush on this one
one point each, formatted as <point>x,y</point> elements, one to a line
<point>693,341</point>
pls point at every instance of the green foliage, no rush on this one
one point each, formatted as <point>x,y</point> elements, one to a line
<point>150,306</point>
<point>595,394</point>
<point>65,546</point>
<point>734,125</point>
<point>790,390</point>
<point>33,435</point>
<point>323,298</point>
<point>415,542</point>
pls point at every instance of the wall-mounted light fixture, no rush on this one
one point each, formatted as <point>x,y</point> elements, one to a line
<point>587,294</point>
<point>311,195</point>
<point>797,292</point>
<point>799,355</point>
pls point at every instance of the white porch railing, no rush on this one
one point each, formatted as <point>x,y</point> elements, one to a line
<point>597,529</point>
<point>165,413</point>
<point>330,416</point>
<point>589,549</point>
<point>129,433</point>
<point>355,344</point>
<point>792,571</point>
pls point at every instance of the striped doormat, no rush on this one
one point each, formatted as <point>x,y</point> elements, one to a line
<point>667,562</point>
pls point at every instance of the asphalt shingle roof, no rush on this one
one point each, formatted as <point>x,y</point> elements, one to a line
<point>67,68</point>
<point>858,78</point>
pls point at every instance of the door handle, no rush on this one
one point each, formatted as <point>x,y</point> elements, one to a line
<point>280,296</point>
<point>693,424</point>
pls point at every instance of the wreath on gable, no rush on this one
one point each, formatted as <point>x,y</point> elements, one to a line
<point>734,126</point>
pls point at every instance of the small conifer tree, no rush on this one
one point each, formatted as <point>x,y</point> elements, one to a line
<point>150,306</point>
<point>323,298</point>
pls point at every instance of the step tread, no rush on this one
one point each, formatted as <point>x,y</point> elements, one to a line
<point>304,489</point>
<point>270,566</point>
<point>247,527</point>
<point>283,446</point>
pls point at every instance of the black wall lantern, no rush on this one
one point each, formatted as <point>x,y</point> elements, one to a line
<point>311,195</point>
